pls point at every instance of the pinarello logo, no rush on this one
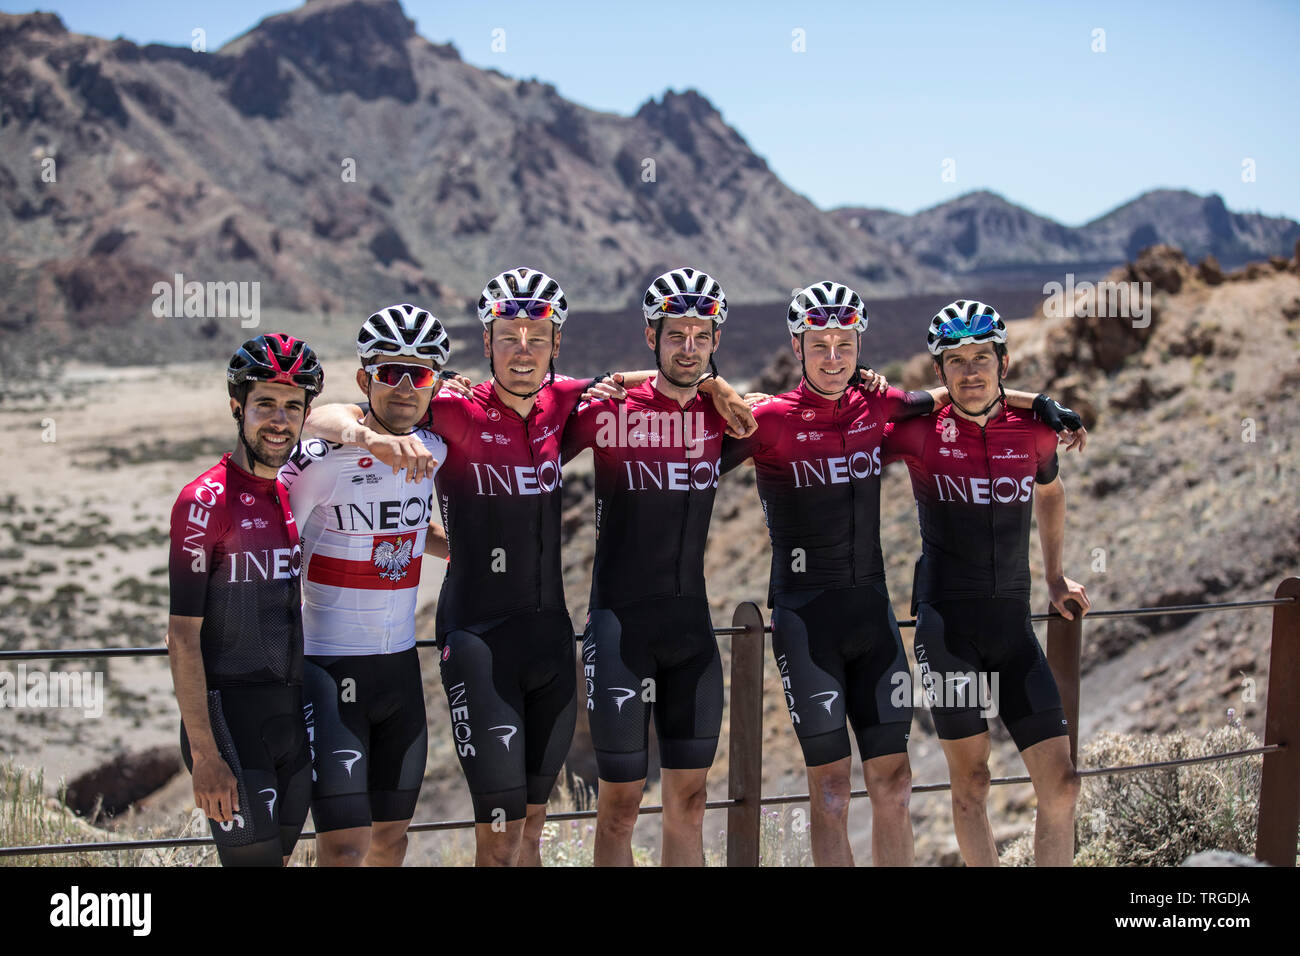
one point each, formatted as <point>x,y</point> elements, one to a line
<point>808,414</point>
<point>493,415</point>
<point>246,498</point>
<point>446,652</point>
<point>365,462</point>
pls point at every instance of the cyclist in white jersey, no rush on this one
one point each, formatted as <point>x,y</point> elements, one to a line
<point>365,531</point>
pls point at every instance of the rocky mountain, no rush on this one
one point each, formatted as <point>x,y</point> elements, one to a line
<point>983,235</point>
<point>340,160</point>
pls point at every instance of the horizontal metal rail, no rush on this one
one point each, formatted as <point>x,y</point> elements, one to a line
<point>724,631</point>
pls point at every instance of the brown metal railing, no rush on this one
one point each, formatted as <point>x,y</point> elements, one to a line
<point>1279,798</point>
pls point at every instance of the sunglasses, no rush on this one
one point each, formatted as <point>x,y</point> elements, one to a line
<point>960,328</point>
<point>844,316</point>
<point>392,373</point>
<point>522,309</point>
<point>700,305</point>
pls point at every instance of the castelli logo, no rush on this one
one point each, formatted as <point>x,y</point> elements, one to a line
<point>808,414</point>
<point>493,415</point>
<point>446,652</point>
<point>365,462</point>
<point>246,498</point>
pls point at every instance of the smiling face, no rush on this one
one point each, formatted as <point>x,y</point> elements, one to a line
<point>685,345</point>
<point>521,351</point>
<point>273,417</point>
<point>402,405</point>
<point>830,357</point>
<point>972,373</point>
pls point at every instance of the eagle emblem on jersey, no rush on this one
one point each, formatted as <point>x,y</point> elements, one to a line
<point>392,558</point>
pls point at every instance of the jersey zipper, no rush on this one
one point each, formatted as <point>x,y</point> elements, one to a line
<point>853,497</point>
<point>993,534</point>
<point>532,457</point>
<point>686,514</point>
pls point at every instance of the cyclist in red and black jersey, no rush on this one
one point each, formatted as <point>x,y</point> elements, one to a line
<point>649,647</point>
<point>980,471</point>
<point>817,453</point>
<point>234,636</point>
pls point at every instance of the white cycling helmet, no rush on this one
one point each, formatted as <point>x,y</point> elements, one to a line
<point>522,293</point>
<point>963,322</point>
<point>404,330</point>
<point>826,305</point>
<point>685,292</point>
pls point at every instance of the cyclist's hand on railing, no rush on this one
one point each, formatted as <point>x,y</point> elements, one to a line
<point>611,386</point>
<point>401,451</point>
<point>216,792</point>
<point>1062,589</point>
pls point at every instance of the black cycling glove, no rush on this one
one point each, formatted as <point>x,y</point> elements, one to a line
<point>1052,413</point>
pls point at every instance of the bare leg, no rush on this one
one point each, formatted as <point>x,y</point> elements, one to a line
<point>616,812</point>
<point>889,787</point>
<point>387,843</point>
<point>968,769</point>
<point>497,846</point>
<point>829,787</point>
<point>343,847</point>
<point>685,793</point>
<point>530,854</point>
<point>1056,783</point>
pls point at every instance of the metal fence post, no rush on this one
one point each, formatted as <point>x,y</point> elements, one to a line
<point>1279,787</point>
<point>745,776</point>
<point>1064,653</point>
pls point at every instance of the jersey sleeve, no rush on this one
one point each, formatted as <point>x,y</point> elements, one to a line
<point>437,447</point>
<point>736,451</point>
<point>448,417</point>
<point>196,527</point>
<point>581,427</point>
<point>1049,463</point>
<point>567,392</point>
<point>900,405</point>
<point>307,481</point>
<point>905,439</point>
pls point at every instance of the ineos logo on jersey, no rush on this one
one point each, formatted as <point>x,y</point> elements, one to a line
<point>266,565</point>
<point>458,698</point>
<point>492,480</point>
<point>836,471</point>
<point>589,669</point>
<point>979,491</point>
<point>410,514</point>
<point>671,475</point>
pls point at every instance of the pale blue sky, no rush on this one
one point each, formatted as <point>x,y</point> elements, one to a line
<point>884,93</point>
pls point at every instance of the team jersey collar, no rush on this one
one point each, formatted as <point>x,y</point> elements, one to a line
<point>652,396</point>
<point>809,396</point>
<point>493,400</point>
<point>228,461</point>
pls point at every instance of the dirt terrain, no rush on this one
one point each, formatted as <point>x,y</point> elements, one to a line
<point>1185,494</point>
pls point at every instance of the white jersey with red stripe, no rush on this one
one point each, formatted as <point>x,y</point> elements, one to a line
<point>363,531</point>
